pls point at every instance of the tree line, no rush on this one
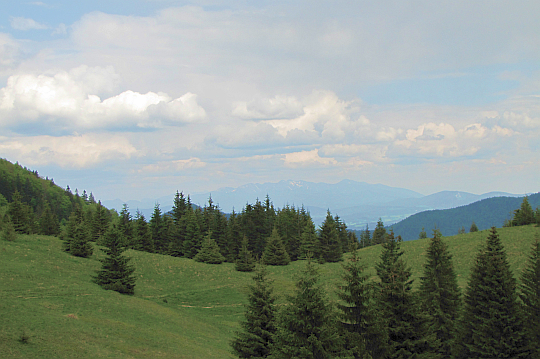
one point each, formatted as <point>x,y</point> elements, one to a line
<point>495,318</point>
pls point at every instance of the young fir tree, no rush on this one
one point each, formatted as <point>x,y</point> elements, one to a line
<point>76,218</point>
<point>530,296</point>
<point>116,273</point>
<point>309,243</point>
<point>363,335</point>
<point>330,244</point>
<point>19,213</point>
<point>275,253</point>
<point>8,231</point>
<point>491,326</point>
<point>245,261</point>
<point>48,222</point>
<point>440,296</point>
<point>397,304</point>
<point>422,234</point>
<point>209,252</point>
<point>474,228</point>
<point>379,234</point>
<point>258,330</point>
<point>79,244</point>
<point>524,215</point>
<point>307,327</point>
<point>100,222</point>
<point>143,238</point>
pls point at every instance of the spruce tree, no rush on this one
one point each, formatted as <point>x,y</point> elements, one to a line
<point>530,296</point>
<point>309,243</point>
<point>422,234</point>
<point>330,244</point>
<point>365,238</point>
<point>363,334</point>
<point>116,273</point>
<point>100,222</point>
<point>474,228</point>
<point>143,237</point>
<point>275,253</point>
<point>48,222</point>
<point>8,231</point>
<point>491,326</point>
<point>76,218</point>
<point>245,261</point>
<point>258,330</point>
<point>397,304</point>
<point>19,214</point>
<point>192,236</point>
<point>80,245</point>
<point>440,296</point>
<point>307,326</point>
<point>209,252</point>
<point>379,234</point>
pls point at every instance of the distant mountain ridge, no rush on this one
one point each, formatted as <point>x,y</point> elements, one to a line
<point>357,203</point>
<point>485,213</point>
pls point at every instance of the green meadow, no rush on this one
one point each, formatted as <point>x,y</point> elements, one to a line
<point>181,308</point>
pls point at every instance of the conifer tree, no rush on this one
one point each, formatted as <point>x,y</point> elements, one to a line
<point>258,330</point>
<point>79,245</point>
<point>100,222</point>
<point>474,228</point>
<point>379,234</point>
<point>524,215</point>
<point>157,229</point>
<point>275,253</point>
<point>233,238</point>
<point>364,336</point>
<point>192,236</point>
<point>245,261</point>
<point>116,273</point>
<point>440,297</point>
<point>209,252</point>
<point>307,327</point>
<point>143,237</point>
<point>125,225</point>
<point>19,214</point>
<point>491,326</point>
<point>48,222</point>
<point>330,244</point>
<point>365,237</point>
<point>530,296</point>
<point>309,243</point>
<point>76,218</point>
<point>8,231</point>
<point>422,234</point>
<point>397,304</point>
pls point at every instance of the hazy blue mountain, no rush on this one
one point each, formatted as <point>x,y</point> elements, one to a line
<point>485,213</point>
<point>357,203</point>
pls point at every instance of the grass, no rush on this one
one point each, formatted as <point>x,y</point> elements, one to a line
<point>49,307</point>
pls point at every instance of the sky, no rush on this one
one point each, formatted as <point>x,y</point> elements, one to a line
<point>138,99</point>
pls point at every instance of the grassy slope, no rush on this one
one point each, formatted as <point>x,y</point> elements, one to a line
<point>181,309</point>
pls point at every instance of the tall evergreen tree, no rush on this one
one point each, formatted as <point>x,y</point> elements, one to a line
<point>192,236</point>
<point>307,327</point>
<point>364,336</point>
<point>116,273</point>
<point>143,238</point>
<point>100,222</point>
<point>125,225</point>
<point>309,242</point>
<point>330,244</point>
<point>76,218</point>
<point>530,296</point>
<point>491,326</point>
<point>8,231</point>
<point>275,253</point>
<point>80,245</point>
<point>19,214</point>
<point>365,237</point>
<point>258,330</point>
<point>209,252</point>
<point>245,261</point>
<point>379,234</point>
<point>397,304</point>
<point>48,222</point>
<point>524,215</point>
<point>440,296</point>
<point>234,236</point>
<point>157,229</point>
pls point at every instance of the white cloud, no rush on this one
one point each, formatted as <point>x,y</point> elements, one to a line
<point>272,108</point>
<point>307,159</point>
<point>173,166</point>
<point>69,101</point>
<point>22,23</point>
<point>68,151</point>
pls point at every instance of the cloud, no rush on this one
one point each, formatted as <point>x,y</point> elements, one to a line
<point>9,52</point>
<point>307,159</point>
<point>24,24</point>
<point>69,101</point>
<point>68,151</point>
<point>173,166</point>
<point>271,108</point>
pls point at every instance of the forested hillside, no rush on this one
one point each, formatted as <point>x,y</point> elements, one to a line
<point>485,214</point>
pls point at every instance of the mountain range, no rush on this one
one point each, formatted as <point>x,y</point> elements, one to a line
<point>356,203</point>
